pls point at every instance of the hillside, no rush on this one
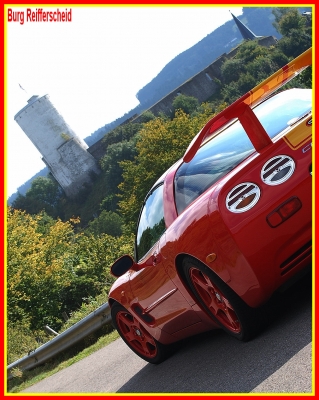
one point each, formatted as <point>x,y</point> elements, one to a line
<point>196,58</point>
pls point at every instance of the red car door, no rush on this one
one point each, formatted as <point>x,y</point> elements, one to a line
<point>156,298</point>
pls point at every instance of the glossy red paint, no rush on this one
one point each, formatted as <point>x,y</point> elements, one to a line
<point>214,264</point>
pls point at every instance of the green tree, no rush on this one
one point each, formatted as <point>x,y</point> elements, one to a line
<point>257,63</point>
<point>290,21</point>
<point>279,13</point>
<point>295,43</point>
<point>278,57</point>
<point>122,133</point>
<point>20,340</point>
<point>296,31</point>
<point>262,67</point>
<point>90,264</point>
<point>250,50</point>
<point>232,69</point>
<point>246,82</point>
<point>35,267</point>
<point>146,116</point>
<point>305,78</point>
<point>160,143</point>
<point>115,153</point>
<point>52,269</point>
<point>231,92</point>
<point>107,222</point>
<point>188,104</point>
<point>31,205</point>
<point>112,170</point>
<point>45,189</point>
<point>44,194</point>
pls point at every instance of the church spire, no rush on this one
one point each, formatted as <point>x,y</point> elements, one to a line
<point>245,32</point>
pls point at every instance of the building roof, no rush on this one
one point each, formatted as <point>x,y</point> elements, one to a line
<point>245,32</point>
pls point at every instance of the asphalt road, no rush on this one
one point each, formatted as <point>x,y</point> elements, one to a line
<point>279,360</point>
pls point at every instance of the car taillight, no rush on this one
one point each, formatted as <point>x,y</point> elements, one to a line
<point>242,197</point>
<point>283,212</point>
<point>277,170</point>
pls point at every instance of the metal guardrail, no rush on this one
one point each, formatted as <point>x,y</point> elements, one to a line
<point>92,322</point>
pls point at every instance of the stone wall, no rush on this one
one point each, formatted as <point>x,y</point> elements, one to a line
<point>74,169</point>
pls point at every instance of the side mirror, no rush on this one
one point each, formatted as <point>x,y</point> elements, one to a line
<point>122,265</point>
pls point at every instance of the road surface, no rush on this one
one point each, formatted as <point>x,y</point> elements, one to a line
<point>279,360</point>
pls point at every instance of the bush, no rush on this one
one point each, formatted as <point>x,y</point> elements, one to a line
<point>21,340</point>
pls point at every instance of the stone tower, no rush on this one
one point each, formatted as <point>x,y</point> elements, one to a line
<point>62,150</point>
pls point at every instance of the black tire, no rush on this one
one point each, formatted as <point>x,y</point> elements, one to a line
<point>219,301</point>
<point>136,336</point>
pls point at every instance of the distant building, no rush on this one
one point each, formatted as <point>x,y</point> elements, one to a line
<point>62,150</point>
<point>246,33</point>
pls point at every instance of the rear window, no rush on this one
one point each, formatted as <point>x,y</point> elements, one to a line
<point>226,150</point>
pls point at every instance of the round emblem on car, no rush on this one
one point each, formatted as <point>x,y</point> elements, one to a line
<point>277,170</point>
<point>242,197</point>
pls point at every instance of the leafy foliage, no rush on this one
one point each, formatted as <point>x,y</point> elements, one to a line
<point>44,194</point>
<point>107,222</point>
<point>254,63</point>
<point>112,168</point>
<point>160,143</point>
<point>54,269</point>
<point>291,20</point>
<point>188,104</point>
<point>232,69</point>
<point>296,30</point>
<point>146,116</point>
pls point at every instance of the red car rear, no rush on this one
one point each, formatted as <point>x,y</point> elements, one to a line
<point>224,227</point>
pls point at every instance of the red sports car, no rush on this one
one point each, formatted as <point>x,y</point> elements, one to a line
<point>224,227</point>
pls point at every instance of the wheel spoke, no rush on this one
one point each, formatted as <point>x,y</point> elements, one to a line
<point>145,339</point>
<point>229,313</point>
<point>126,323</point>
<point>205,288</point>
<point>201,283</point>
<point>136,335</point>
<point>215,300</point>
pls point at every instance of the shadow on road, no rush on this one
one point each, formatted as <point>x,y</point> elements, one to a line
<point>214,362</point>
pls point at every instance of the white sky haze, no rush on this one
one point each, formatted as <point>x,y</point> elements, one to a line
<point>93,66</point>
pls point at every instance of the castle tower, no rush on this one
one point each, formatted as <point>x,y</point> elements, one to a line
<point>62,150</point>
<point>246,33</point>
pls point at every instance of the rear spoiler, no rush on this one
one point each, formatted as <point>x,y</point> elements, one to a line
<point>242,108</point>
